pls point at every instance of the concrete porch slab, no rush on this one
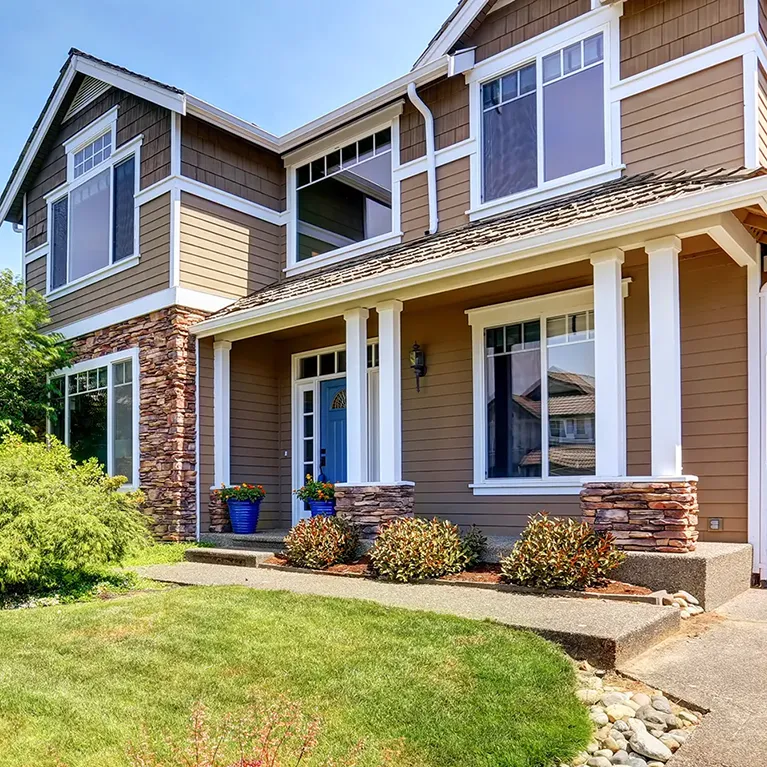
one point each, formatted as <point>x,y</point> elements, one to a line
<point>604,633</point>
<point>714,572</point>
<point>263,540</point>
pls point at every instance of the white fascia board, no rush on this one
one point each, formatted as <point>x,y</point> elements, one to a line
<point>731,236</point>
<point>138,86</point>
<point>229,122</point>
<point>621,230</point>
<point>452,33</point>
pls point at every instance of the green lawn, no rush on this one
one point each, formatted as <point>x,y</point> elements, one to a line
<point>77,682</point>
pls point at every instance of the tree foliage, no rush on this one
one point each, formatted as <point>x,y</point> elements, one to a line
<point>59,520</point>
<point>27,356</point>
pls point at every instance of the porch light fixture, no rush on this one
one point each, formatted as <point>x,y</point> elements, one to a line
<point>418,364</point>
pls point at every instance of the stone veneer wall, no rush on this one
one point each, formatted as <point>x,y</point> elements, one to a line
<point>370,506</point>
<point>644,516</point>
<point>167,423</point>
<point>219,515</point>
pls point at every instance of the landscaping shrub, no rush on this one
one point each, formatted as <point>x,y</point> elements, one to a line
<point>61,522</point>
<point>562,554</point>
<point>412,548</point>
<point>474,544</point>
<point>320,542</point>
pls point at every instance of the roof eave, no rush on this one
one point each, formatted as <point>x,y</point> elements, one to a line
<point>625,225</point>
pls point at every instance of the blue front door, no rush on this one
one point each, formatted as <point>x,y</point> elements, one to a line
<point>333,430</point>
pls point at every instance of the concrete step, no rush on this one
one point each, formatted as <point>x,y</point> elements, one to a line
<point>232,557</point>
<point>266,540</point>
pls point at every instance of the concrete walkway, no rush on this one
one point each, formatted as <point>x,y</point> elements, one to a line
<point>603,632</point>
<point>720,663</point>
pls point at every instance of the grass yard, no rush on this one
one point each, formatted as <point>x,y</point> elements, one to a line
<point>78,681</point>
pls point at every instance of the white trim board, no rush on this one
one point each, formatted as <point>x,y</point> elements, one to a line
<point>192,299</point>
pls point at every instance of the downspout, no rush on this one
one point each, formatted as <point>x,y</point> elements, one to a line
<point>431,159</point>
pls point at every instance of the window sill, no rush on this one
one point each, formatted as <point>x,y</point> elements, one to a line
<point>93,277</point>
<point>568,486</point>
<point>342,254</point>
<point>572,183</point>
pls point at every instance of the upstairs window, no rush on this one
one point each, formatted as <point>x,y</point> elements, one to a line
<point>345,197</point>
<point>545,120</point>
<point>92,220</point>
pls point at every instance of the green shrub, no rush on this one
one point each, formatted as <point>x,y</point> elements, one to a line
<point>319,542</point>
<point>562,554</point>
<point>474,544</point>
<point>60,521</point>
<point>412,548</point>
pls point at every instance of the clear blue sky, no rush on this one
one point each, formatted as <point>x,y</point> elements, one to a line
<point>279,64</point>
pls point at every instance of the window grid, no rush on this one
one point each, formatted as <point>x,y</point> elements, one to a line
<point>92,155</point>
<point>573,58</point>
<point>332,363</point>
<point>342,159</point>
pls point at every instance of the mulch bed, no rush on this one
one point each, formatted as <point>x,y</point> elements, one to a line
<point>482,573</point>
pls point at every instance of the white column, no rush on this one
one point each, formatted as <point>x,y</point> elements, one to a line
<point>390,391</point>
<point>356,395</point>
<point>665,357</point>
<point>609,363</point>
<point>221,411</point>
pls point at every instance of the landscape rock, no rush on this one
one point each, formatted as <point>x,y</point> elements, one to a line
<point>636,761</point>
<point>648,745</point>
<point>589,697</point>
<point>619,711</point>
<point>688,716</point>
<point>621,726</point>
<point>661,704</point>
<point>613,698</point>
<point>599,761</point>
<point>689,598</point>
<point>620,757</point>
<point>651,717</point>
<point>671,743</point>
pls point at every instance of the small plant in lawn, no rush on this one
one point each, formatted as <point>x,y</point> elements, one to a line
<point>474,544</point>
<point>320,542</point>
<point>561,554</point>
<point>411,548</point>
<point>61,523</point>
<point>279,735</point>
<point>314,490</point>
<point>243,492</point>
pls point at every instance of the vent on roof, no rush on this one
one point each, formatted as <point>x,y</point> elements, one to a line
<point>89,89</point>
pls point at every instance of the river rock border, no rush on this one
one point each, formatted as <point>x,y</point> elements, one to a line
<point>644,516</point>
<point>167,405</point>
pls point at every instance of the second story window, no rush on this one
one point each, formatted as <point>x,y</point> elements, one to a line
<point>545,120</point>
<point>345,197</point>
<point>92,220</point>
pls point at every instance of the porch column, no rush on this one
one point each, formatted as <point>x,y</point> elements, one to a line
<point>609,363</point>
<point>221,411</point>
<point>390,391</point>
<point>356,395</point>
<point>665,357</point>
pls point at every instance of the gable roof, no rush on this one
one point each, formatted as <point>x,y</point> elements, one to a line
<point>560,213</point>
<point>466,13</point>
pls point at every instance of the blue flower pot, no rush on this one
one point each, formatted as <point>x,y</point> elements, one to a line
<point>243,515</point>
<point>322,508</point>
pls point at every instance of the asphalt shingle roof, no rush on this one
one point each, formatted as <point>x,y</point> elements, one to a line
<point>613,197</point>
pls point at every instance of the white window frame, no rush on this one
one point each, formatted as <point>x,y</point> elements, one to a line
<point>387,118</point>
<point>606,21</point>
<point>108,361</point>
<point>107,123</point>
<point>299,386</point>
<point>537,308</point>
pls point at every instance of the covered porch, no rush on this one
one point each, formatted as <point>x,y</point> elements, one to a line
<point>628,360</point>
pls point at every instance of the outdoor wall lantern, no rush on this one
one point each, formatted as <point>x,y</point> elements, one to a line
<point>418,363</point>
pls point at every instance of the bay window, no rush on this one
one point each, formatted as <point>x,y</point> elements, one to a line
<point>545,120</point>
<point>534,393</point>
<point>95,412</point>
<point>93,219</point>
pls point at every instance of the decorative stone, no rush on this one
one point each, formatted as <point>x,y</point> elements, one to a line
<point>616,712</point>
<point>644,516</point>
<point>371,506</point>
<point>599,761</point>
<point>688,716</point>
<point>589,697</point>
<point>620,757</point>
<point>613,698</point>
<point>649,746</point>
<point>661,704</point>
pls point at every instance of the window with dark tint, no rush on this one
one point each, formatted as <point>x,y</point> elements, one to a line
<point>123,214</point>
<point>59,249</point>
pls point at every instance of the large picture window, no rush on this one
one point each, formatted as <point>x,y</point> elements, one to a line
<point>345,197</point>
<point>544,121</point>
<point>95,412</point>
<point>92,220</point>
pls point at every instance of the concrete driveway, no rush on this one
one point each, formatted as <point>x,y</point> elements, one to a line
<point>719,663</point>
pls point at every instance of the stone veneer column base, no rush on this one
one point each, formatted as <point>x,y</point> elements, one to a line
<point>219,515</point>
<point>644,515</point>
<point>371,506</point>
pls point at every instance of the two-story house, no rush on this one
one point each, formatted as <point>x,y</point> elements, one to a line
<point>530,263</point>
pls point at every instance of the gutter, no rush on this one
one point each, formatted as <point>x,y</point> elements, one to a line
<point>627,226</point>
<point>431,158</point>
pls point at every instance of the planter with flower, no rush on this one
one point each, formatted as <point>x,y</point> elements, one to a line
<point>244,502</point>
<point>321,496</point>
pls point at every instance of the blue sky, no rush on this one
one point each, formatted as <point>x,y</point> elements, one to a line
<point>277,64</point>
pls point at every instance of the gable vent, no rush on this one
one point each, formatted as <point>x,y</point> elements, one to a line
<point>89,89</point>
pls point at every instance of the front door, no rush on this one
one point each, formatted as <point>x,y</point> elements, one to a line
<point>333,430</point>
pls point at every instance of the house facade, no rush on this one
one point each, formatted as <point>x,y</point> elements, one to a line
<point>530,265</point>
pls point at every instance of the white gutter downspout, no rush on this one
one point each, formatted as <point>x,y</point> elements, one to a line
<point>431,158</point>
